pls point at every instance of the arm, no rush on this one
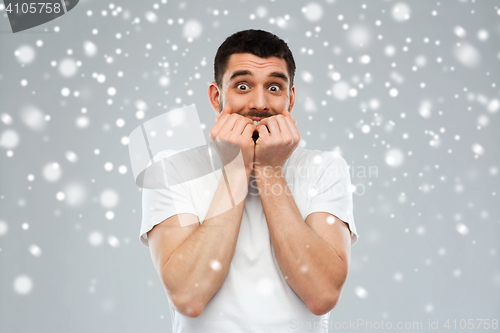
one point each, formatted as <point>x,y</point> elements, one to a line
<point>313,255</point>
<point>193,260</point>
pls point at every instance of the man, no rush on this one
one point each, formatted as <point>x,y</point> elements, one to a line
<point>277,261</point>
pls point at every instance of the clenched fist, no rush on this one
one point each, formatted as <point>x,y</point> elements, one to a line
<point>236,129</point>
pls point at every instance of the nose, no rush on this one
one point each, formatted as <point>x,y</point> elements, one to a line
<point>258,101</point>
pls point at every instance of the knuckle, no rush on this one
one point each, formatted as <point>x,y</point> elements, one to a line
<point>223,136</point>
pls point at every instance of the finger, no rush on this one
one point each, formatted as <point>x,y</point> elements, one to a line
<point>248,131</point>
<point>226,110</point>
<point>274,129</point>
<point>229,126</point>
<point>293,127</point>
<point>241,124</point>
<point>294,130</point>
<point>263,132</point>
<point>221,119</point>
<point>264,122</point>
<point>284,127</point>
<point>287,115</point>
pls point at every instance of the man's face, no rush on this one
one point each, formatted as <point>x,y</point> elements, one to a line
<point>254,87</point>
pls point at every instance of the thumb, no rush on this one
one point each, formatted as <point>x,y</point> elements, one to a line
<point>287,114</point>
<point>227,110</point>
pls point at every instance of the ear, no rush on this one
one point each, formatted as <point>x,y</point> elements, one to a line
<point>292,98</point>
<point>214,96</point>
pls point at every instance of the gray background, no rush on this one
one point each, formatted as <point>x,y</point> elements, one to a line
<point>428,224</point>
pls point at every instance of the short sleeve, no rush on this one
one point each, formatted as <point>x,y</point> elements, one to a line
<point>160,203</point>
<point>331,190</point>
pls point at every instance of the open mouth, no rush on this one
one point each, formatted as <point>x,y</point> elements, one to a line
<point>256,120</point>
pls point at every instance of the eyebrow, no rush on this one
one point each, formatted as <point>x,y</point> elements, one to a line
<point>247,72</point>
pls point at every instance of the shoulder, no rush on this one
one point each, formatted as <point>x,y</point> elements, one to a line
<point>313,165</point>
<point>318,158</point>
<point>333,158</point>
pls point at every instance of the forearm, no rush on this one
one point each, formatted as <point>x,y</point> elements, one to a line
<point>198,267</point>
<point>311,267</point>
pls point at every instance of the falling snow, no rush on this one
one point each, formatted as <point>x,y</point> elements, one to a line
<point>408,88</point>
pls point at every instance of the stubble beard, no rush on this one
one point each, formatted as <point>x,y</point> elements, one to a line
<point>221,106</point>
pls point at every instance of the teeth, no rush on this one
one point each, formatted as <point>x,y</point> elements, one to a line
<point>255,122</point>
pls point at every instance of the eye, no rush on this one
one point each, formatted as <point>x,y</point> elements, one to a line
<point>275,88</point>
<point>242,86</point>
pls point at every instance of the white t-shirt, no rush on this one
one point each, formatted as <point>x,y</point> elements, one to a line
<point>255,296</point>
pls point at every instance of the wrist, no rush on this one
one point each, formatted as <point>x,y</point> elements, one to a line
<point>268,171</point>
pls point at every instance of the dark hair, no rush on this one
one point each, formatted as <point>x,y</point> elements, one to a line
<point>261,43</point>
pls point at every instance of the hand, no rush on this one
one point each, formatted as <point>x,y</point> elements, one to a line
<point>236,129</point>
<point>278,138</point>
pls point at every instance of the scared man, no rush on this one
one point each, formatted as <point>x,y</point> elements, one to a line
<point>278,260</point>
